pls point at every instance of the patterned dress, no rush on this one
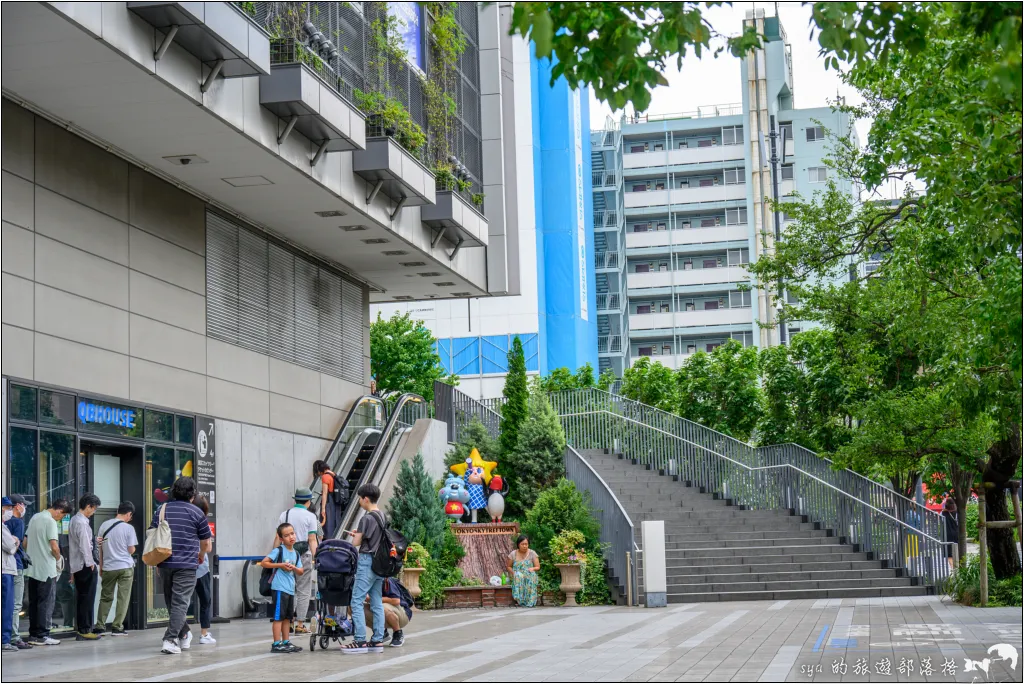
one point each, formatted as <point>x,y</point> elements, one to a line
<point>524,579</point>
<point>477,499</point>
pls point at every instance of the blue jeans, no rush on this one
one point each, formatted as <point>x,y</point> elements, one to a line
<point>7,590</point>
<point>367,582</point>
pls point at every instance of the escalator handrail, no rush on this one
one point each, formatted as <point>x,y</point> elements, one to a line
<point>344,425</point>
<point>373,462</point>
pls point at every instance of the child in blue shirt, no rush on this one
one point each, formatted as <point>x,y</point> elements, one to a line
<point>286,563</point>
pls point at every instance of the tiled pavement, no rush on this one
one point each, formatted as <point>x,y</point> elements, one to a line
<point>798,640</point>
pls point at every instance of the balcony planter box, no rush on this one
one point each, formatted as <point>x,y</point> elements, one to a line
<point>212,31</point>
<point>460,219</point>
<point>394,173</point>
<point>296,93</point>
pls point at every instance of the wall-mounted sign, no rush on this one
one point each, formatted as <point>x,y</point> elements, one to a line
<point>112,419</point>
<point>205,469</point>
<point>410,29</point>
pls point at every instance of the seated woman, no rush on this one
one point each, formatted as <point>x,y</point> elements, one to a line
<point>523,564</point>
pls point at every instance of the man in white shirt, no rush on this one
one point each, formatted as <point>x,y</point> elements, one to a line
<point>305,524</point>
<point>117,540</point>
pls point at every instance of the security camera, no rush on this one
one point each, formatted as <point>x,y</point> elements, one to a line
<point>185,161</point>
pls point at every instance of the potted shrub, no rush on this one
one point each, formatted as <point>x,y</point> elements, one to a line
<point>416,557</point>
<point>567,552</point>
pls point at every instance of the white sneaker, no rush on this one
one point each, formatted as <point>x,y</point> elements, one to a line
<point>186,643</point>
<point>49,641</point>
<point>170,647</point>
<point>207,639</point>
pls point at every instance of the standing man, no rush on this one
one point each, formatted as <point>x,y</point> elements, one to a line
<point>41,575</point>
<point>83,566</point>
<point>16,525</point>
<point>367,583</point>
<point>304,523</point>
<point>117,566</point>
<point>190,535</point>
<point>10,546</point>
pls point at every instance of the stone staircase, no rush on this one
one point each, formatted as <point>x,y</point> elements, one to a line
<point>719,552</point>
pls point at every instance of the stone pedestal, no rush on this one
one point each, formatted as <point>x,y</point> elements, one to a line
<point>570,581</point>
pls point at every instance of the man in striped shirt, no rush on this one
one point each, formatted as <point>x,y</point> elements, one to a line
<point>191,540</point>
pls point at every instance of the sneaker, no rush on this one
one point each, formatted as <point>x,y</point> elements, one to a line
<point>9,648</point>
<point>50,641</point>
<point>375,647</point>
<point>36,641</point>
<point>170,647</point>
<point>21,645</point>
<point>386,633</point>
<point>292,647</point>
<point>119,632</point>
<point>88,636</point>
<point>100,630</point>
<point>398,639</point>
<point>279,647</point>
<point>185,642</point>
<point>207,639</point>
<point>355,648</point>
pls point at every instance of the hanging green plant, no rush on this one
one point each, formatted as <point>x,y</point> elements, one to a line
<point>393,118</point>
<point>478,199</point>
<point>447,42</point>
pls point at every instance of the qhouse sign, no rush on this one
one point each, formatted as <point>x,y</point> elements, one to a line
<point>105,415</point>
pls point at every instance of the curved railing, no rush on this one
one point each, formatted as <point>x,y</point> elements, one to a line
<point>407,410</point>
<point>368,413</point>
<point>616,526</point>
<point>719,464</point>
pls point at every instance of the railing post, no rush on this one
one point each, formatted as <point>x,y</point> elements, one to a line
<point>982,549</point>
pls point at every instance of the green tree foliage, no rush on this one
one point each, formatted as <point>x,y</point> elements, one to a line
<point>536,462</point>
<point>517,395</point>
<point>563,507</point>
<point>720,389</point>
<point>415,510</point>
<point>442,568</point>
<point>473,436</point>
<point>402,356</point>
<point>650,383</point>
<point>943,310</point>
<point>606,379</point>
<point>564,379</point>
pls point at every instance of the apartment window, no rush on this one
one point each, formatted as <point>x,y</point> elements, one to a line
<point>643,268</point>
<point>265,298</point>
<point>786,131</point>
<point>636,148</point>
<point>641,227</point>
<point>746,338</point>
<point>712,346</point>
<point>815,133</point>
<point>706,182</point>
<point>644,351</point>
<point>732,135</point>
<point>787,172</point>
<point>786,216</point>
<point>735,177</point>
<point>710,263</point>
<point>739,299</point>
<point>643,309</point>
<point>736,216</point>
<point>818,174</point>
<point>791,298</point>
<point>639,187</point>
<point>707,223</point>
<point>738,257</point>
<point>710,304</point>
<point>705,143</point>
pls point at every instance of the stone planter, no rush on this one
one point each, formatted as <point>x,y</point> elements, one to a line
<point>570,581</point>
<point>411,580</point>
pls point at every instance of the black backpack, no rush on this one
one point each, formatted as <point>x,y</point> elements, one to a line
<point>267,576</point>
<point>390,552</point>
<point>339,495</point>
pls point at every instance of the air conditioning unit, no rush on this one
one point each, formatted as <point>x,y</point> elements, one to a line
<point>685,225</point>
<point>718,220</point>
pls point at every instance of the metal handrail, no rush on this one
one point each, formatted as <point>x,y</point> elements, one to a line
<point>383,446</point>
<point>701,458</point>
<point>334,454</point>
<point>617,530</point>
<point>458,409</point>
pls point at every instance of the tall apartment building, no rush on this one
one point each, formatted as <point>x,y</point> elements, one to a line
<point>680,211</point>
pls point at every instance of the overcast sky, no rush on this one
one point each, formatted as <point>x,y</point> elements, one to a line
<point>710,81</point>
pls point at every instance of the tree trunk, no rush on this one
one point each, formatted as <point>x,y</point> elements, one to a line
<point>961,479</point>
<point>1004,456</point>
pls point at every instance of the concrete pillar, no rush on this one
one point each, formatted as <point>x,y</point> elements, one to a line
<point>655,575</point>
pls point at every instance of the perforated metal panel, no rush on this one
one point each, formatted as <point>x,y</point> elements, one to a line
<point>264,297</point>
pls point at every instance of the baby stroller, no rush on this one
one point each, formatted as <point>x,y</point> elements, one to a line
<point>335,574</point>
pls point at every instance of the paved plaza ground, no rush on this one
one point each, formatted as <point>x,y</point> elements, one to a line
<point>754,641</point>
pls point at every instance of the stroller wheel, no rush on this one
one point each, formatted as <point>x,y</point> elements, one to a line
<point>323,643</point>
<point>312,642</point>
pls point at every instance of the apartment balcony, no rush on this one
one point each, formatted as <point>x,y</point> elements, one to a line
<point>609,302</point>
<point>606,220</point>
<point>609,261</point>
<point>691,236</point>
<point>699,276</point>
<point>220,34</point>
<point>676,196</point>
<point>786,187</point>
<point>689,319</point>
<point>609,344</point>
<point>681,157</point>
<point>672,361</point>
<point>607,179</point>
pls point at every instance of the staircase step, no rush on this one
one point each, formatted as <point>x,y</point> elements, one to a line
<point>799,576</point>
<point>771,567</point>
<point>778,556</point>
<point>748,543</point>
<point>782,594</point>
<point>759,551</point>
<point>798,585</point>
<point>742,533</point>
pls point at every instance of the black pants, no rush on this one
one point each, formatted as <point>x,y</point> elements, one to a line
<point>202,600</point>
<point>85,598</point>
<point>40,607</point>
<point>179,585</point>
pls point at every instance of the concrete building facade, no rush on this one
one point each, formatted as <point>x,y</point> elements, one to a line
<point>194,225</point>
<point>680,211</point>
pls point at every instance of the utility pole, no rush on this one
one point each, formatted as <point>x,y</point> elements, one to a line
<point>773,136</point>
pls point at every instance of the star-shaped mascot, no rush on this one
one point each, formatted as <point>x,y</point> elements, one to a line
<point>477,462</point>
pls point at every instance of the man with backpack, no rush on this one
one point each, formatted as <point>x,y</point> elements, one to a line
<point>397,610</point>
<point>368,538</point>
<point>304,523</point>
<point>117,566</point>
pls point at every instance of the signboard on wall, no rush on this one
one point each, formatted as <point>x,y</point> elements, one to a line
<point>410,29</point>
<point>581,216</point>
<point>205,469</point>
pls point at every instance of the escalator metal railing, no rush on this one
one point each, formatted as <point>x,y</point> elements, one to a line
<point>407,410</point>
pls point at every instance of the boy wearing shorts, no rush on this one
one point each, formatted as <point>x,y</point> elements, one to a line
<point>286,563</point>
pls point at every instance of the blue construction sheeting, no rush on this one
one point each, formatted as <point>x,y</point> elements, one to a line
<point>484,354</point>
